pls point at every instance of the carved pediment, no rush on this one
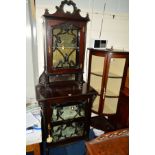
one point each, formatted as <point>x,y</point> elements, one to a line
<point>67,9</point>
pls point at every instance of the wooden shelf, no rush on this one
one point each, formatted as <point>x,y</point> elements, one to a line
<point>112,75</point>
<point>111,94</point>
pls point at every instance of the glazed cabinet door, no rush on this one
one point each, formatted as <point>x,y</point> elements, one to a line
<point>97,69</point>
<point>67,121</point>
<point>64,46</point>
<point>107,71</point>
<point>112,88</point>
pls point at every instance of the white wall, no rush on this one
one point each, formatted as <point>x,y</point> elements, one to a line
<point>115,30</point>
<point>31,52</point>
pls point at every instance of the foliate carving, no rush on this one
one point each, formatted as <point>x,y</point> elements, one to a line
<point>66,2</point>
<point>43,79</point>
<point>60,12</point>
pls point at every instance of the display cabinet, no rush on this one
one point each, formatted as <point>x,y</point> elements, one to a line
<point>64,44</point>
<point>107,74</point>
<point>65,98</point>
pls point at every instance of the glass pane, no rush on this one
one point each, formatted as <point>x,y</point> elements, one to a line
<point>68,112</point>
<point>115,76</point>
<point>95,82</point>
<point>117,66</point>
<point>65,46</point>
<point>110,105</point>
<point>64,131</point>
<point>97,65</point>
<point>113,86</point>
<point>95,105</point>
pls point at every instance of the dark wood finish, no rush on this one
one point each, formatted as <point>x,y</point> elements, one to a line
<point>58,18</point>
<point>63,92</point>
<point>111,143</point>
<point>121,118</point>
<point>108,55</point>
<point>60,95</point>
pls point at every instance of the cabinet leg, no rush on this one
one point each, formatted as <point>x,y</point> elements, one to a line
<point>47,151</point>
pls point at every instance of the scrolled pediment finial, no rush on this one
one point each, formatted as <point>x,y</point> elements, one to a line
<point>67,9</point>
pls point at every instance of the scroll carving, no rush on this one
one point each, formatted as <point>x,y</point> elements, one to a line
<point>61,13</point>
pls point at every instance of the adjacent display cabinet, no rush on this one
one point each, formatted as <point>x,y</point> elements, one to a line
<point>107,74</point>
<point>64,97</point>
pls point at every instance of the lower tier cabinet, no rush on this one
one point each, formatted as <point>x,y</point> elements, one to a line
<point>65,118</point>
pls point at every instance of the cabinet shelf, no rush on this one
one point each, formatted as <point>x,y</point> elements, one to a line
<point>110,75</point>
<point>97,73</point>
<point>68,121</point>
<point>60,47</point>
<point>111,94</point>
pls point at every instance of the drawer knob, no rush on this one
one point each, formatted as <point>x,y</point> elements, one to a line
<point>49,139</point>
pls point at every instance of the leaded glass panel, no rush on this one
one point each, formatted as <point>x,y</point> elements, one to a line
<point>68,112</point>
<point>65,46</point>
<point>61,132</point>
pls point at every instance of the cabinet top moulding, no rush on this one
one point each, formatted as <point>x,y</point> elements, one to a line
<point>109,51</point>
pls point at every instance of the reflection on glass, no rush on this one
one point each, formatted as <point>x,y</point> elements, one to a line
<point>65,46</point>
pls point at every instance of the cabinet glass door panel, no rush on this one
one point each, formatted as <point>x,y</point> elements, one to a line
<point>95,82</point>
<point>110,105</point>
<point>113,86</point>
<point>61,113</point>
<point>65,46</point>
<point>97,65</point>
<point>61,132</point>
<point>95,105</point>
<point>117,67</point>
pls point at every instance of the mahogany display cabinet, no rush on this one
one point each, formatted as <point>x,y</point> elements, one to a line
<point>65,98</point>
<point>107,74</point>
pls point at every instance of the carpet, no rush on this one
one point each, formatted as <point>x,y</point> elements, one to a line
<point>76,148</point>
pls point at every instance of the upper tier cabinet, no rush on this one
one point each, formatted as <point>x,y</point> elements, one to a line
<point>107,74</point>
<point>64,42</point>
